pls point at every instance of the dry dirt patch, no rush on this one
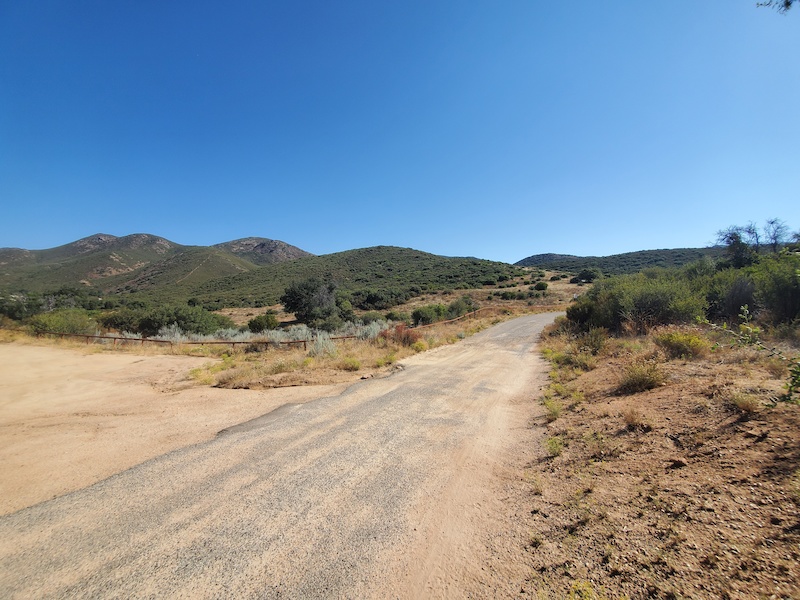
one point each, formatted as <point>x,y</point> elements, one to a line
<point>674,492</point>
<point>69,418</point>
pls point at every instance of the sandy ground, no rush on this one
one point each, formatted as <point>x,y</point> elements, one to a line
<point>69,418</point>
<point>407,486</point>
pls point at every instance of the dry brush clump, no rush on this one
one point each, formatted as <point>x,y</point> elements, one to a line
<point>682,343</point>
<point>640,377</point>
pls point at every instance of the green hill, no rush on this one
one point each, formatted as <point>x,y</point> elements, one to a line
<point>90,261</point>
<point>619,264</point>
<point>185,270</point>
<point>382,270</point>
<point>135,263</point>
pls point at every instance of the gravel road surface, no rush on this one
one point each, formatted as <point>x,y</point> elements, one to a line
<point>389,489</point>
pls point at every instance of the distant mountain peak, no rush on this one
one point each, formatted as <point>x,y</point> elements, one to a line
<point>93,242</point>
<point>263,251</point>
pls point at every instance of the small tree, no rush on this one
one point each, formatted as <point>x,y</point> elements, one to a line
<point>315,303</point>
<point>738,251</point>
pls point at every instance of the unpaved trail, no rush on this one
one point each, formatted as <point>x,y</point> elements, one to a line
<point>397,487</point>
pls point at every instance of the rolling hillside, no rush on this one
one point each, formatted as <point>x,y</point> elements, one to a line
<point>88,261</point>
<point>619,264</point>
<point>380,269</point>
<point>134,263</point>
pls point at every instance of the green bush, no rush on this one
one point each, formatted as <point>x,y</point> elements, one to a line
<point>460,307</point>
<point>636,303</point>
<point>726,292</point>
<point>263,322</point>
<point>67,320</point>
<point>540,287</point>
<point>402,317</point>
<point>777,281</point>
<point>190,319</point>
<point>348,363</point>
<point>431,313</point>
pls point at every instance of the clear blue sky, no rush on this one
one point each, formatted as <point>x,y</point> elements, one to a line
<point>496,129</point>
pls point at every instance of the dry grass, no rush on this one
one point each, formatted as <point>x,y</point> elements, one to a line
<point>682,343</point>
<point>640,377</point>
<point>746,403</point>
<point>634,419</point>
<point>351,359</point>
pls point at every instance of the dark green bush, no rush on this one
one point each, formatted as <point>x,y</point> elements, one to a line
<point>402,317</point>
<point>727,291</point>
<point>637,303</point>
<point>371,317</point>
<point>777,281</point>
<point>540,287</point>
<point>431,313</point>
<point>191,319</point>
<point>263,322</point>
<point>460,307</point>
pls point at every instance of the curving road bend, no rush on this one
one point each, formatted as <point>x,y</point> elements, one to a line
<point>390,489</point>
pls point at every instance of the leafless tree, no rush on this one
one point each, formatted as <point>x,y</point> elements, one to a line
<point>776,232</point>
<point>752,236</point>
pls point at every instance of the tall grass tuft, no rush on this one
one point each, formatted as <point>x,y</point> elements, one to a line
<point>682,344</point>
<point>640,377</point>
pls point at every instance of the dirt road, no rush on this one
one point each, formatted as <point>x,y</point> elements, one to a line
<point>398,487</point>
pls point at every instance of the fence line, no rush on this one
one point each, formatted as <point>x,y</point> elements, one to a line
<point>233,345</point>
<point>142,341</point>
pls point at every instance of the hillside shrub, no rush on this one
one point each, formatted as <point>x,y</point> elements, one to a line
<point>322,346</point>
<point>431,313</point>
<point>726,292</point>
<point>190,319</point>
<point>637,303</point>
<point>371,317</point>
<point>777,281</point>
<point>640,377</point>
<point>66,320</point>
<point>540,287</point>
<point>682,344</point>
<point>402,317</point>
<point>460,307</point>
<point>263,322</point>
